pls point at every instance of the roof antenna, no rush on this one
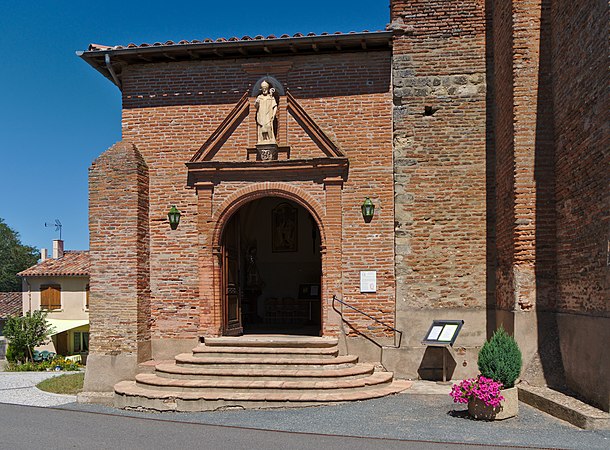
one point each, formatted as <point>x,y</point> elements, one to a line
<point>57,226</point>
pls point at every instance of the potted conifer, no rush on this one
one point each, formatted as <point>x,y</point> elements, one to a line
<point>493,395</point>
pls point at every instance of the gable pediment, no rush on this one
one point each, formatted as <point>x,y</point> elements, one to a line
<point>325,146</point>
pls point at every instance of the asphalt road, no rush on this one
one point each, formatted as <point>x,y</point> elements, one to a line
<point>27,427</point>
<point>423,417</point>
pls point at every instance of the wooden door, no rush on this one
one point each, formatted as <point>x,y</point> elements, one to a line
<point>231,277</point>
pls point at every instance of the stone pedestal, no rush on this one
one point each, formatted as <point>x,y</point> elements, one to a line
<point>266,152</point>
<point>508,408</point>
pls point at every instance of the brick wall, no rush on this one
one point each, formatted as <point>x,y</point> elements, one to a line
<point>118,225</point>
<point>580,76</point>
<point>171,109</point>
<point>439,62</point>
<point>579,53</point>
<point>524,152</point>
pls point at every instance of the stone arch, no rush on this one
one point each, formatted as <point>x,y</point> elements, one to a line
<point>261,190</point>
<point>256,89</point>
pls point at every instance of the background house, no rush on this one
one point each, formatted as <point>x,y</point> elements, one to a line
<point>60,286</point>
<point>10,305</point>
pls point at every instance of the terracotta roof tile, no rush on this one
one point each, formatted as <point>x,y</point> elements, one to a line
<point>10,304</point>
<point>74,263</point>
<point>99,47</point>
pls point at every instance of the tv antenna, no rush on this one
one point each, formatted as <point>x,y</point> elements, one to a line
<point>57,226</point>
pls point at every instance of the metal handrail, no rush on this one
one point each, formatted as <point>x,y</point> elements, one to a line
<point>370,317</point>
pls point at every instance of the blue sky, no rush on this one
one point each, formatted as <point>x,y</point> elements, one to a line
<point>57,114</point>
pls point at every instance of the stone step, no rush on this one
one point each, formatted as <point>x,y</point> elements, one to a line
<point>171,370</point>
<point>265,362</point>
<point>248,385</point>
<point>129,395</point>
<point>271,340</point>
<point>256,352</point>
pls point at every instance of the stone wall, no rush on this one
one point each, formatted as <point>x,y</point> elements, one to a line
<point>439,88</point>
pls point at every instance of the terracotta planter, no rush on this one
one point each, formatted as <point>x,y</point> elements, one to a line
<point>508,408</point>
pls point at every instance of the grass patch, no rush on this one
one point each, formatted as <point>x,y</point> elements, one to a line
<point>70,384</point>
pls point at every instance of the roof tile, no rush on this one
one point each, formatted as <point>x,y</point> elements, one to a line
<point>74,263</point>
<point>10,304</point>
<point>99,47</point>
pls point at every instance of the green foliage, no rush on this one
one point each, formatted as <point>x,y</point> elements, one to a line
<point>26,332</point>
<point>14,257</point>
<point>58,363</point>
<point>70,384</point>
<point>12,355</point>
<point>500,358</point>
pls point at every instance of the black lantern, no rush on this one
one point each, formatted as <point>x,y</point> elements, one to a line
<point>368,209</point>
<point>174,217</point>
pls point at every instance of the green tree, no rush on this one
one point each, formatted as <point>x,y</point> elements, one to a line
<point>14,257</point>
<point>26,332</point>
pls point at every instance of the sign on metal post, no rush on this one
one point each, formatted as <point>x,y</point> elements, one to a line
<point>443,333</point>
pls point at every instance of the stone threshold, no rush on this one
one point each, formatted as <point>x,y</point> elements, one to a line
<point>564,407</point>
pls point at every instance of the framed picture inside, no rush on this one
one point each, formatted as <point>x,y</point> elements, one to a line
<point>309,291</point>
<point>284,232</point>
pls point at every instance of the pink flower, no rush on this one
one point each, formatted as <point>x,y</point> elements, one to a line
<point>482,388</point>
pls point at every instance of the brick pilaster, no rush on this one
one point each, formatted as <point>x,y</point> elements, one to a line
<point>119,234</point>
<point>332,253</point>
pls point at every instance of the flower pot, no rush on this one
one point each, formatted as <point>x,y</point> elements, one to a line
<point>509,407</point>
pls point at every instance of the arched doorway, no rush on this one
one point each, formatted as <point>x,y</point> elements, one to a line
<point>271,269</point>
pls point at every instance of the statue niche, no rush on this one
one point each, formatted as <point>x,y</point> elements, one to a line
<point>266,105</point>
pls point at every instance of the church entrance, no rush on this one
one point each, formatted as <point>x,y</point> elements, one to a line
<point>271,270</point>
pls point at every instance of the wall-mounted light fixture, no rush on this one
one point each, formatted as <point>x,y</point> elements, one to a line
<point>368,210</point>
<point>174,217</point>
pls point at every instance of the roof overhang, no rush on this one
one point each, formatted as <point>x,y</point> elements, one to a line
<point>61,325</point>
<point>107,60</point>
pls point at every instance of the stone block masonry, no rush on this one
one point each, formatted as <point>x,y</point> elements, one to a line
<point>439,88</point>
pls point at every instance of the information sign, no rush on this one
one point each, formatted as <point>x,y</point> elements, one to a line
<point>443,332</point>
<point>368,281</point>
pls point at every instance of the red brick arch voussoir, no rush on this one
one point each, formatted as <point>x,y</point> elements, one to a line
<point>266,189</point>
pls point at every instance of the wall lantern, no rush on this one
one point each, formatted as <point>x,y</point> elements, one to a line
<point>368,209</point>
<point>174,217</point>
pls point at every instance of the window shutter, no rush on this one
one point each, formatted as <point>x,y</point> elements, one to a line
<point>50,296</point>
<point>56,304</point>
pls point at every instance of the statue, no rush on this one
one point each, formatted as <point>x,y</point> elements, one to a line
<point>266,110</point>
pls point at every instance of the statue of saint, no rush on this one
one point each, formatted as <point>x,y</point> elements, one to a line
<point>266,109</point>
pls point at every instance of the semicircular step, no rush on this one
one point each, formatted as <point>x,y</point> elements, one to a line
<point>172,370</point>
<point>153,381</point>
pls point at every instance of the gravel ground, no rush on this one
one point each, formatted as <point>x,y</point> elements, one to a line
<point>413,416</point>
<point>19,388</point>
<point>406,416</point>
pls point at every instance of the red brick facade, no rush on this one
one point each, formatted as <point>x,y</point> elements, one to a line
<point>167,121</point>
<point>478,128</point>
<point>551,159</point>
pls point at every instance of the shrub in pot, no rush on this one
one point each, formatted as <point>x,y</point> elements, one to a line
<point>500,359</point>
<point>492,394</point>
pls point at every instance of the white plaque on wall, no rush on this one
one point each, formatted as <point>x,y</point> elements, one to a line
<point>368,281</point>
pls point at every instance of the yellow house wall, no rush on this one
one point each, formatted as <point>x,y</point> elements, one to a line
<point>73,296</point>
